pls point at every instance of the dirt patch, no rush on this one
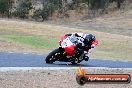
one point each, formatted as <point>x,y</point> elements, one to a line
<point>116,23</point>
<point>55,79</point>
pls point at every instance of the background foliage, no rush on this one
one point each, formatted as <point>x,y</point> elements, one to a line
<point>60,7</point>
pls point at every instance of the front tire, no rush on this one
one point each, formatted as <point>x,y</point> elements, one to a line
<point>53,56</point>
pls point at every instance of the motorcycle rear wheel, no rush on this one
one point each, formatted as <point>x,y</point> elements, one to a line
<point>75,61</point>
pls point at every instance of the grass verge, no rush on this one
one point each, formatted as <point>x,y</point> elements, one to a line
<point>32,41</point>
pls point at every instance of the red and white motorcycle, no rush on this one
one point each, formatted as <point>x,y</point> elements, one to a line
<point>67,52</point>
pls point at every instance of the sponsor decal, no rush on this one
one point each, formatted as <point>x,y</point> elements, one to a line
<point>83,78</point>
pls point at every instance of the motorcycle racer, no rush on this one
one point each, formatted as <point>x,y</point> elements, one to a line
<point>86,43</point>
<point>73,48</point>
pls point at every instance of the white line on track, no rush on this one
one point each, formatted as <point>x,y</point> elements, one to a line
<point>26,53</point>
<point>53,68</point>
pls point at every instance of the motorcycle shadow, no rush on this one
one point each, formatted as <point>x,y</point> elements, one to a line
<point>74,65</point>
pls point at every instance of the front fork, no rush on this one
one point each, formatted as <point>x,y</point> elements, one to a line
<point>63,53</point>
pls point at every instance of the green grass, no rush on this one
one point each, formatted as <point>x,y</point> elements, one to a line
<point>32,41</point>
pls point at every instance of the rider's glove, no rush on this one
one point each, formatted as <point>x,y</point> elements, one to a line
<point>77,35</point>
<point>68,34</point>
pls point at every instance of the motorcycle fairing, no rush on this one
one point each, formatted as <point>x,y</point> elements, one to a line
<point>70,50</point>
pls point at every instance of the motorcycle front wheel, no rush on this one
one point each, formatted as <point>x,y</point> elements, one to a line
<point>53,56</point>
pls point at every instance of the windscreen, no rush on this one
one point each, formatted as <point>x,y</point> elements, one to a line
<point>73,39</point>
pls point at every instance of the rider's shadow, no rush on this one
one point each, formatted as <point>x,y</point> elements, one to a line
<point>62,64</point>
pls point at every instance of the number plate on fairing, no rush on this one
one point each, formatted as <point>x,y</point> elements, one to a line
<point>66,43</point>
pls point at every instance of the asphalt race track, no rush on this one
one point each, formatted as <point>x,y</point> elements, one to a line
<point>33,60</point>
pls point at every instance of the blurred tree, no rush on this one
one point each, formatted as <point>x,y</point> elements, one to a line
<point>24,7</point>
<point>5,6</point>
<point>45,12</point>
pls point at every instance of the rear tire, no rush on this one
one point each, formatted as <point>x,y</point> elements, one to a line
<point>75,61</point>
<point>53,56</point>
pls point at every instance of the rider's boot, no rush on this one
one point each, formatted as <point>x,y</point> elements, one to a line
<point>86,56</point>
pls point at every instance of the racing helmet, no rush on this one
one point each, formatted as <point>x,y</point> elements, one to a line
<point>88,39</point>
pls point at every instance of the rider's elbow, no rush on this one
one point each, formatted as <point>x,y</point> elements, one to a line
<point>94,43</point>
